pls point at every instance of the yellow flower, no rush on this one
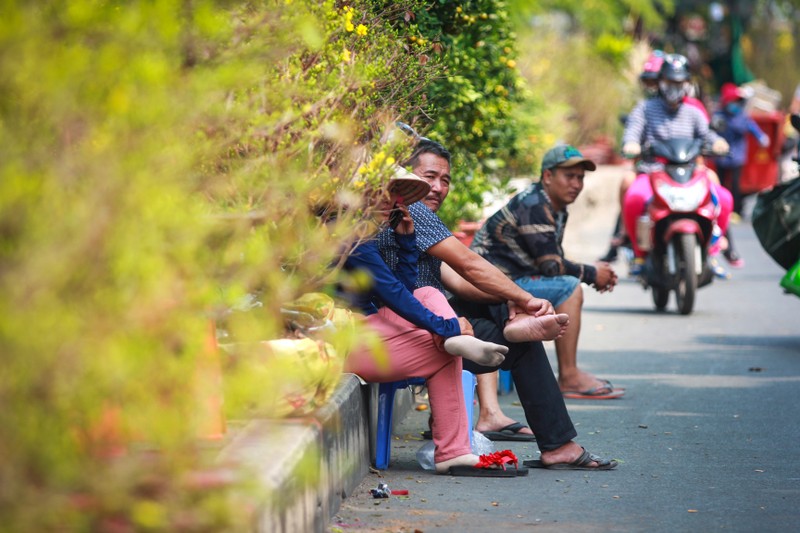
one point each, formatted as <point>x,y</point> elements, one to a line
<point>361,30</point>
<point>359,184</point>
<point>348,19</point>
<point>346,56</point>
<point>389,161</point>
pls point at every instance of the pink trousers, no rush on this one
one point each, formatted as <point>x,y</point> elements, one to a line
<point>412,352</point>
<point>640,192</point>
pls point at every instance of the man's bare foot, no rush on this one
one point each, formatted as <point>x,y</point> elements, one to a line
<point>525,327</point>
<point>462,460</point>
<point>481,352</point>
<point>569,453</point>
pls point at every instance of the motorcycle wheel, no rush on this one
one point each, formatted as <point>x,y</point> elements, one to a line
<point>687,276</point>
<point>660,297</point>
<point>660,291</point>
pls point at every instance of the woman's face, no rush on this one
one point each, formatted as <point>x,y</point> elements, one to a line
<point>383,203</point>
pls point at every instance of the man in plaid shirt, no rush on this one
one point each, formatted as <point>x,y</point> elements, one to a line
<point>523,240</point>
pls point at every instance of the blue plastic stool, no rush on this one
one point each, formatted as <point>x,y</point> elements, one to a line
<point>505,385</point>
<point>383,428</point>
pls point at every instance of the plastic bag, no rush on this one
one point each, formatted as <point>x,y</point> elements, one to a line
<point>480,446</point>
<point>791,281</point>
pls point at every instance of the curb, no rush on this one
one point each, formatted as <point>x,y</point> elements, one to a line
<point>302,469</point>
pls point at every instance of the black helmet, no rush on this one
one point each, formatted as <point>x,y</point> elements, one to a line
<point>675,68</point>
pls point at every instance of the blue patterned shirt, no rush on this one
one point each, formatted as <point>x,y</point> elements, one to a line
<point>430,230</point>
<point>393,288</point>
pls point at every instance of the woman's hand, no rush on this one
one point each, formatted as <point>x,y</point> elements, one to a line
<point>406,225</point>
<point>466,327</point>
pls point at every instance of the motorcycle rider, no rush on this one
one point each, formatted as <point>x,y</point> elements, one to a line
<point>733,123</point>
<point>649,82</point>
<point>649,79</point>
<point>667,116</point>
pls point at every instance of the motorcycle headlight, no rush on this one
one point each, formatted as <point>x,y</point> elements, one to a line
<point>682,199</point>
<point>680,173</point>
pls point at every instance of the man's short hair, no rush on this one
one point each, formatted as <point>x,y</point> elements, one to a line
<point>427,146</point>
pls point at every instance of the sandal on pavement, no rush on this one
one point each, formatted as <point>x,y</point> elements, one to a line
<point>510,433</point>
<point>581,463</point>
<point>604,392</point>
<point>490,465</point>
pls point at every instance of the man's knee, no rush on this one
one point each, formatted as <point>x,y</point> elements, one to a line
<point>575,300</point>
<point>556,289</point>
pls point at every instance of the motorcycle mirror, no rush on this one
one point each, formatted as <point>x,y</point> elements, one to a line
<point>411,132</point>
<point>408,130</point>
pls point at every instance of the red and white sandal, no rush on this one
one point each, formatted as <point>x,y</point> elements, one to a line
<point>491,465</point>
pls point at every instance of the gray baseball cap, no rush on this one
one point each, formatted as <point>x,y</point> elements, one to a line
<point>565,155</point>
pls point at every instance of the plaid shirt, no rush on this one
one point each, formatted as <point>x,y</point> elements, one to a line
<point>525,234</point>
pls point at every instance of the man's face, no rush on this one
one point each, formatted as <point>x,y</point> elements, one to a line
<point>563,185</point>
<point>436,171</point>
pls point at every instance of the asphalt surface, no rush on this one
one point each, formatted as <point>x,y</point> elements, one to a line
<point>707,433</point>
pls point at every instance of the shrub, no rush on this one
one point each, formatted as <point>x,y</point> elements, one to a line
<point>158,162</point>
<point>471,107</point>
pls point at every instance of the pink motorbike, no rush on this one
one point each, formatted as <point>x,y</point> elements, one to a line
<point>679,225</point>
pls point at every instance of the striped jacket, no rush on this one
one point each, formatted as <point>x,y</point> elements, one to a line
<point>653,120</point>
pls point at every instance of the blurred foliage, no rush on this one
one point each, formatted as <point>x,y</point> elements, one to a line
<point>600,18</point>
<point>582,109</point>
<point>771,45</point>
<point>609,26</point>
<point>588,76</point>
<point>470,107</point>
<point>158,164</point>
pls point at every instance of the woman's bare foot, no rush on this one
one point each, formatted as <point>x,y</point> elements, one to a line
<point>525,327</point>
<point>462,460</point>
<point>481,352</point>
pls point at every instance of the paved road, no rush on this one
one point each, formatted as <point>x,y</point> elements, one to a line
<point>707,434</point>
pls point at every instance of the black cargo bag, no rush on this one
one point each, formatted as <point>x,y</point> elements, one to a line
<point>776,221</point>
